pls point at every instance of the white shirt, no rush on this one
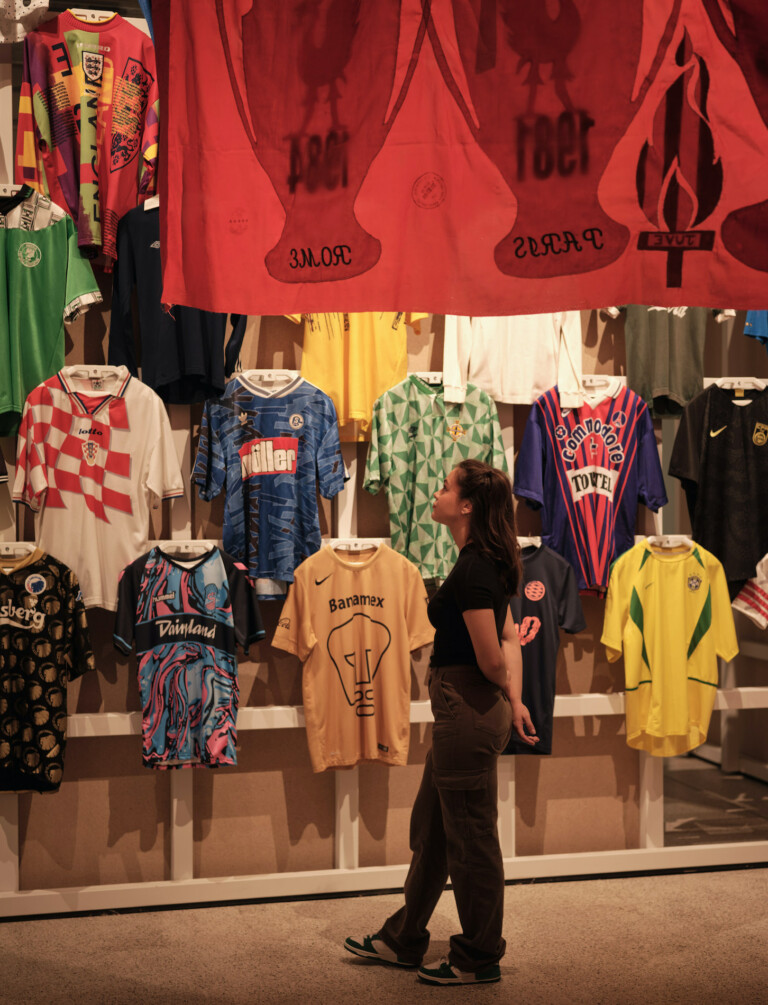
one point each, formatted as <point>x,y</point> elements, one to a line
<point>514,359</point>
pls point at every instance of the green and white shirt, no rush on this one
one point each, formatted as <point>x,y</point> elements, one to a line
<point>47,282</point>
<point>417,438</point>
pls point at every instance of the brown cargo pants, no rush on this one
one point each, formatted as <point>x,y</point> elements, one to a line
<point>453,823</point>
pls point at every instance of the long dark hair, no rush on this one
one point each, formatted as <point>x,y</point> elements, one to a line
<point>492,526</point>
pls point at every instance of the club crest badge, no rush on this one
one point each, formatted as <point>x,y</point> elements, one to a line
<point>34,584</point>
<point>90,452</point>
<point>535,590</point>
<point>210,598</point>
<point>694,582</point>
<point>296,421</point>
<point>93,67</point>
<point>29,255</point>
<point>760,434</point>
<point>456,430</point>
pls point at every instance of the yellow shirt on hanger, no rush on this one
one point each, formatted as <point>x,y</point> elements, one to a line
<point>353,623</point>
<point>670,613</point>
<point>355,358</point>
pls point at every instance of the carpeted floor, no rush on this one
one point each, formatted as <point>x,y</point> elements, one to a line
<point>655,940</point>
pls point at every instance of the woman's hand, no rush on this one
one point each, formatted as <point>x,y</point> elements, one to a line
<point>521,722</point>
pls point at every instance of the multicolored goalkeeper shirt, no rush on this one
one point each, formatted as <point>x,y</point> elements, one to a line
<point>47,282</point>
<point>586,469</point>
<point>270,451</point>
<point>44,644</point>
<point>185,618</point>
<point>88,126</point>
<point>417,438</point>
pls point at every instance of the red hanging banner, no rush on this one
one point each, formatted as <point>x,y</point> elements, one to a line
<point>463,156</point>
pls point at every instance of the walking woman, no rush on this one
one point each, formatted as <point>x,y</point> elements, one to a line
<point>475,688</point>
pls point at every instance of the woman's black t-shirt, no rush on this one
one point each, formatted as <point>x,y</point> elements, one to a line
<point>472,584</point>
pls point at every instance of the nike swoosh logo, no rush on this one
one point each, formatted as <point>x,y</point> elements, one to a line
<point>319,581</point>
<point>717,432</point>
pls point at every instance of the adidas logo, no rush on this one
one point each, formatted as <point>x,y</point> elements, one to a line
<point>155,244</point>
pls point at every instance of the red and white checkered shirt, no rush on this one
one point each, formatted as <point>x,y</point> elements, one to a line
<point>94,454</point>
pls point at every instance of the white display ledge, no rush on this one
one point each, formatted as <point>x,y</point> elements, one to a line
<point>292,716</point>
<point>335,881</point>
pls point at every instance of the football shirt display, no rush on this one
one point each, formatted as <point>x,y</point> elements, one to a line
<point>47,282</point>
<point>514,359</point>
<point>355,358</point>
<point>665,353</point>
<point>269,451</point>
<point>182,349</point>
<point>720,455</point>
<point>88,128</point>
<point>417,438</point>
<point>44,644</point>
<point>353,622</point>
<point>668,610</point>
<point>586,469</point>
<point>94,454</point>
<point>548,600</point>
<point>184,619</point>
<point>756,326</point>
<point>752,598</point>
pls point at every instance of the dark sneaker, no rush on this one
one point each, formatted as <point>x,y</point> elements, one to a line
<point>443,973</point>
<point>371,947</point>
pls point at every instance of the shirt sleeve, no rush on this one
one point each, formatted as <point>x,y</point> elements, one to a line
<point>420,630</point>
<point>81,287</point>
<point>570,615</point>
<point>210,471</point>
<point>685,460</point>
<point>569,361</point>
<point>650,482</point>
<point>457,348</point>
<point>151,127</point>
<point>330,464</point>
<point>121,340</point>
<point>414,319</point>
<point>529,466</point>
<point>29,164</point>
<point>378,461</point>
<point>232,361</point>
<point>726,644</point>
<point>294,632</point>
<point>125,616</point>
<point>471,587</point>
<point>164,479</point>
<point>31,483</point>
<point>81,658</point>
<point>245,605</point>
<point>615,616</point>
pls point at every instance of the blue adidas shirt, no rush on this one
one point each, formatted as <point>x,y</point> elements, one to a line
<point>269,451</point>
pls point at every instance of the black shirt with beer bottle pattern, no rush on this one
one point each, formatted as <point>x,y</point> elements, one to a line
<point>44,644</point>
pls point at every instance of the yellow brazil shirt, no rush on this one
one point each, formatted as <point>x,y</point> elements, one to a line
<point>669,610</point>
<point>355,358</point>
<point>353,623</point>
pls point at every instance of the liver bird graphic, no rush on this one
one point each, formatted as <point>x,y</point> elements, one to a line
<point>322,61</point>
<point>540,40</point>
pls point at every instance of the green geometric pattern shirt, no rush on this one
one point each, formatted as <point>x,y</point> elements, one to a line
<point>416,439</point>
